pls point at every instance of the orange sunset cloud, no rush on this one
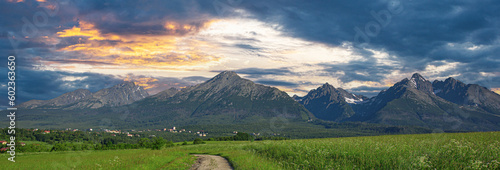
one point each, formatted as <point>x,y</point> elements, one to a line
<point>137,50</point>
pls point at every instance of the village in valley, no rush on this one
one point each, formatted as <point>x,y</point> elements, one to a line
<point>133,132</point>
<point>130,133</point>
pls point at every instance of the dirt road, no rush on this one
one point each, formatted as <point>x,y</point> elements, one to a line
<point>206,162</point>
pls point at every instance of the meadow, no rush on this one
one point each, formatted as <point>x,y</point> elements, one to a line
<point>479,150</point>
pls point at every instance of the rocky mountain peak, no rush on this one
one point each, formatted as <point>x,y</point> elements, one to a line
<point>417,76</point>
<point>326,88</point>
<point>452,81</point>
<point>419,82</point>
<point>226,75</point>
<point>330,103</point>
<point>126,84</point>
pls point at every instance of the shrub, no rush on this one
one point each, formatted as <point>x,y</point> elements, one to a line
<point>198,141</point>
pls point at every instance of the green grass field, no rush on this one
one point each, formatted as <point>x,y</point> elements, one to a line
<point>427,151</point>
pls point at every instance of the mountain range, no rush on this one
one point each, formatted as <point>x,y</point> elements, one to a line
<point>448,104</point>
<point>228,99</point>
<point>225,99</point>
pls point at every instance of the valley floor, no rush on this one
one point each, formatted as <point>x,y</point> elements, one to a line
<point>441,150</point>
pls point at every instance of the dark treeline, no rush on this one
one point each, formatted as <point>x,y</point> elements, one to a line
<point>78,141</point>
<point>58,140</point>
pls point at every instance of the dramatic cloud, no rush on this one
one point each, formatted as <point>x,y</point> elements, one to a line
<point>417,32</point>
<point>294,45</point>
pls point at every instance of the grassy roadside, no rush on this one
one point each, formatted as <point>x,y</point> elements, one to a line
<point>427,151</point>
<point>110,159</point>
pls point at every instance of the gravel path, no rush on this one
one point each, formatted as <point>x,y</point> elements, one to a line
<point>206,162</point>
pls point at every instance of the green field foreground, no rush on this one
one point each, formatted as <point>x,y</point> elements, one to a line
<point>426,151</point>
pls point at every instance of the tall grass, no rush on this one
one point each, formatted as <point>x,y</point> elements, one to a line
<point>429,151</point>
<point>110,159</point>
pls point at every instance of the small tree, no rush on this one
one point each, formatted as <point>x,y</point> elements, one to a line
<point>144,143</point>
<point>158,143</point>
<point>198,141</point>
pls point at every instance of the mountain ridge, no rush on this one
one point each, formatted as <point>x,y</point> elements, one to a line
<point>229,99</point>
<point>117,95</point>
<point>414,101</point>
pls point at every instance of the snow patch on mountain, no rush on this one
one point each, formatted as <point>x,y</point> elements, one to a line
<point>413,82</point>
<point>353,101</point>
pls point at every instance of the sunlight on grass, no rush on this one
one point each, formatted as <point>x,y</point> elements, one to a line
<point>428,151</point>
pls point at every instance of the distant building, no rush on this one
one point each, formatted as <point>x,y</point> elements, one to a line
<point>3,142</point>
<point>112,131</point>
<point>22,143</point>
<point>130,135</point>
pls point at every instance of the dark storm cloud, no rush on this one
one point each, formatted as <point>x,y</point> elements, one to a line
<point>418,32</point>
<point>358,70</point>
<point>31,19</point>
<point>138,17</point>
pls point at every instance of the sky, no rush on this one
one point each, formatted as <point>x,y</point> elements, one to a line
<point>294,45</point>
